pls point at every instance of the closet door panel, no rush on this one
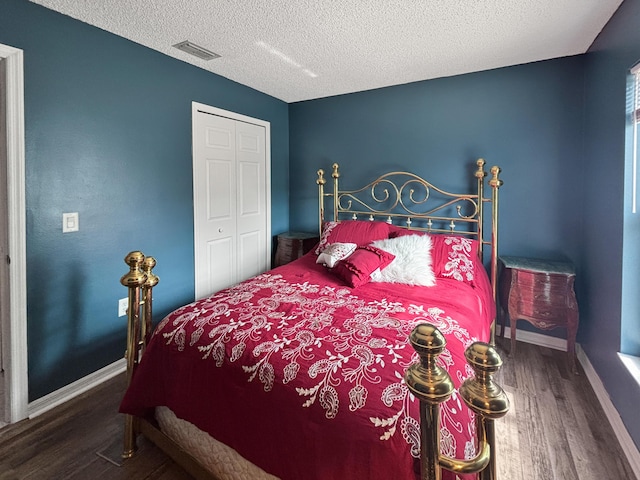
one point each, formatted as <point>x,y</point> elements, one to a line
<point>215,203</point>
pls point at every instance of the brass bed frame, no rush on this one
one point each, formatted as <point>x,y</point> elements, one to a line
<point>396,196</point>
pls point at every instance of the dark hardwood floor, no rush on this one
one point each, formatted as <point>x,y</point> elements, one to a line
<point>555,430</point>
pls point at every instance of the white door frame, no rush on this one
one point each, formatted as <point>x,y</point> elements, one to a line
<point>195,107</point>
<point>14,335</point>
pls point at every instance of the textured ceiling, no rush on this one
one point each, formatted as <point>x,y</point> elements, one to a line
<point>303,49</point>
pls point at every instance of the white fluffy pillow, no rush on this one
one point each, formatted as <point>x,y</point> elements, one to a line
<point>335,252</point>
<point>412,264</point>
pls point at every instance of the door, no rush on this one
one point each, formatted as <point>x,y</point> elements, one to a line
<point>4,240</point>
<point>14,328</point>
<point>231,198</point>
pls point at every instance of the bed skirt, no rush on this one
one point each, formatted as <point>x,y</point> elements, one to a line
<point>222,461</point>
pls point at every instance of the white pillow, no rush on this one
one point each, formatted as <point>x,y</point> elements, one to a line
<point>412,264</point>
<point>335,252</point>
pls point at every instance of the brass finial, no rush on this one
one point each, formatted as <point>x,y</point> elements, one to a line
<point>480,173</point>
<point>426,380</point>
<point>147,267</point>
<point>135,277</point>
<point>335,173</point>
<point>321,180</point>
<point>481,393</point>
<point>495,182</point>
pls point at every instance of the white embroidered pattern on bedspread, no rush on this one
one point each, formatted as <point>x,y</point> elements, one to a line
<point>346,354</point>
<point>460,263</point>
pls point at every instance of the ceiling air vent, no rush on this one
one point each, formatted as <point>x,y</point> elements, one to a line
<point>196,50</point>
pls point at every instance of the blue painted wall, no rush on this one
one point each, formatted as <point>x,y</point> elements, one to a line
<point>609,224</point>
<point>108,135</point>
<point>526,119</point>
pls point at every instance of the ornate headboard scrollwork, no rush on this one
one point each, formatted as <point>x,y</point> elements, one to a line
<point>409,201</point>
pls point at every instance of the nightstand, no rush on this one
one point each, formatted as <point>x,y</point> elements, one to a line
<point>292,245</point>
<point>542,293</point>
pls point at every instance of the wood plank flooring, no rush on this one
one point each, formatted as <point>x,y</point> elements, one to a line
<point>555,430</point>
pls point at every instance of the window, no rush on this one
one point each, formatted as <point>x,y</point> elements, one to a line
<point>630,301</point>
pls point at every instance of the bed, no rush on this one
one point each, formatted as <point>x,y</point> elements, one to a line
<point>299,372</point>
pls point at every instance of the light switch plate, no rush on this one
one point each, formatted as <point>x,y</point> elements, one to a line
<point>123,305</point>
<point>70,222</point>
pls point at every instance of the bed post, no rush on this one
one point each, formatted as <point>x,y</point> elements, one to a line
<point>432,385</point>
<point>147,301</point>
<point>336,202</point>
<point>495,183</point>
<point>486,398</point>
<point>321,181</point>
<point>140,281</point>
<point>480,174</point>
<point>133,280</point>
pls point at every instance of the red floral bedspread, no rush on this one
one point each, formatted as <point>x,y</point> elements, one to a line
<point>304,376</point>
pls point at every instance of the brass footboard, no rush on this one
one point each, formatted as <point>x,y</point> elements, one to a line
<point>426,380</point>
<point>140,281</point>
<point>432,385</point>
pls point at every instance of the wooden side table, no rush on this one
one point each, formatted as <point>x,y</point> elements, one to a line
<point>541,292</point>
<point>292,245</point>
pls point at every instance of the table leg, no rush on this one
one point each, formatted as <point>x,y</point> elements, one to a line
<point>512,308</point>
<point>502,313</point>
<point>572,331</point>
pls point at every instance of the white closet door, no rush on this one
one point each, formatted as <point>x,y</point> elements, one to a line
<point>230,202</point>
<point>251,208</point>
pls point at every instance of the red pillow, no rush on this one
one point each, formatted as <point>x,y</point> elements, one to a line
<point>356,269</point>
<point>360,232</point>
<point>397,231</point>
<point>452,256</point>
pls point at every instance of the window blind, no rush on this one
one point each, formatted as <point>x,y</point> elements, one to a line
<point>636,100</point>
<point>635,71</point>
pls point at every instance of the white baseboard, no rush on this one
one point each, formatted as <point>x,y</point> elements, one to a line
<point>538,339</point>
<point>41,405</point>
<point>626,442</point>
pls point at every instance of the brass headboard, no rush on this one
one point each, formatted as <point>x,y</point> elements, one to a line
<point>409,201</point>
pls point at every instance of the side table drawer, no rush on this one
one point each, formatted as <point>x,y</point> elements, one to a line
<point>540,289</point>
<point>543,316</point>
<point>547,298</point>
<point>542,282</point>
